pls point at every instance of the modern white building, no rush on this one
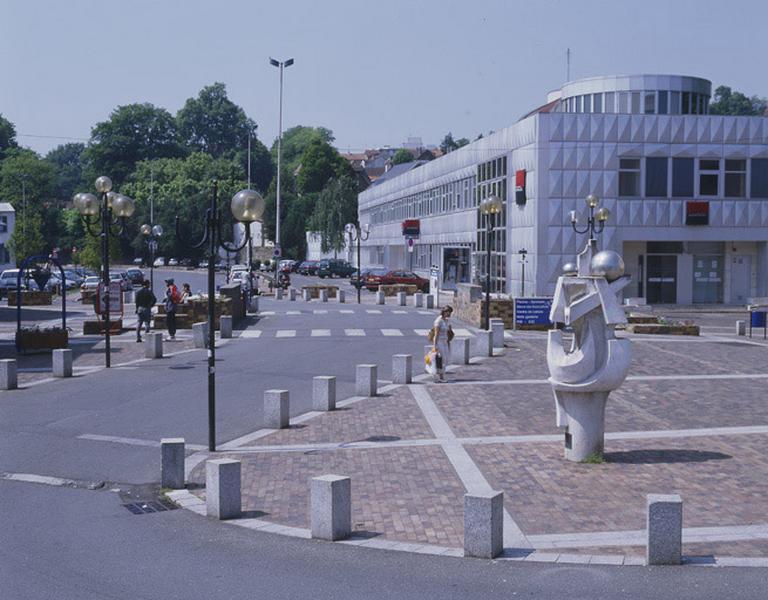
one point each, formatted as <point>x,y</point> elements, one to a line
<point>687,192</point>
<point>7,222</point>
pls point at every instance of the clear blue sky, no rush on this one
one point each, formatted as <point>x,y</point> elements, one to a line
<point>373,72</point>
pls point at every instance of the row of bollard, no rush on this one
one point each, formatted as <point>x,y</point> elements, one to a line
<point>420,299</point>
<point>9,371</point>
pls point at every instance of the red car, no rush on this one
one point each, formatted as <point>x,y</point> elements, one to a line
<point>377,278</point>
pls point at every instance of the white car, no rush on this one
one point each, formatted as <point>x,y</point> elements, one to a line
<point>90,284</point>
<point>159,262</point>
<point>173,262</point>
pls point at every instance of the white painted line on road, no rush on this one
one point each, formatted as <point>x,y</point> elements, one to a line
<point>391,332</point>
<point>95,437</point>
<point>320,312</point>
<point>426,312</point>
<point>251,333</point>
<point>346,311</point>
<point>267,313</point>
<point>292,312</point>
<point>321,333</point>
<point>373,311</point>
<point>354,332</point>
<point>421,331</point>
<point>285,333</point>
<point>44,479</point>
<point>399,312</point>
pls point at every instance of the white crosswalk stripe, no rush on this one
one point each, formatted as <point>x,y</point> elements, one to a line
<point>354,332</point>
<point>391,332</point>
<point>346,311</point>
<point>373,311</point>
<point>267,313</point>
<point>425,312</point>
<point>421,331</point>
<point>284,333</point>
<point>399,312</point>
<point>292,312</point>
<point>251,333</point>
<point>321,333</point>
<point>320,312</point>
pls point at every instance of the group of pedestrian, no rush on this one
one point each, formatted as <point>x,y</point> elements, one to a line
<point>146,299</point>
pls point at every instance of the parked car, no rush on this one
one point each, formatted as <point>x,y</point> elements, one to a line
<point>159,262</point>
<point>122,277</point>
<point>73,276</point>
<point>204,263</point>
<point>286,263</point>
<point>8,281</point>
<point>308,267</point>
<point>189,263</point>
<point>54,283</point>
<point>173,262</point>
<point>136,276</point>
<point>359,281</point>
<point>333,267</point>
<point>90,284</point>
<point>139,262</point>
<point>375,279</point>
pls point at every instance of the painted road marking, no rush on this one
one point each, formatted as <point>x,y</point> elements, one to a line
<point>373,311</point>
<point>354,332</point>
<point>251,333</point>
<point>285,333</point>
<point>391,332</point>
<point>321,333</point>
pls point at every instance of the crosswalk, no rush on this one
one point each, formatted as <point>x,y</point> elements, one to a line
<point>342,311</point>
<point>327,333</point>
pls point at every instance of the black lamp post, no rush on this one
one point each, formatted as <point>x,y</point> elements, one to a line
<point>247,206</point>
<point>356,235</point>
<point>152,232</point>
<point>595,222</point>
<point>109,210</point>
<point>490,207</point>
<point>522,252</point>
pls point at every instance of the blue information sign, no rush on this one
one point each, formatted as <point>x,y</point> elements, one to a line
<point>532,311</point>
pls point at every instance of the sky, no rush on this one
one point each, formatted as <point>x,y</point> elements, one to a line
<point>375,73</point>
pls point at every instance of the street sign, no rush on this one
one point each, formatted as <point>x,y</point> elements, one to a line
<point>276,252</point>
<point>410,244</point>
<point>532,311</point>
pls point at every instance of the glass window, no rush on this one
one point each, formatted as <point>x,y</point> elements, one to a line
<point>588,103</point>
<point>662,103</point>
<point>709,171</point>
<point>635,103</point>
<point>759,178</point>
<point>629,177</point>
<point>682,177</point>
<point>609,102</point>
<point>597,103</point>
<point>674,103</point>
<point>623,102</point>
<point>656,177</point>
<point>650,103</point>
<point>686,109</point>
<point>735,178</point>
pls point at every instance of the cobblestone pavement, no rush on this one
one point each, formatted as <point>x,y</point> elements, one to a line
<point>691,419</point>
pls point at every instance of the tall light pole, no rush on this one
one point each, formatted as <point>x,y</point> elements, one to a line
<point>356,235</point>
<point>490,207</point>
<point>280,65</point>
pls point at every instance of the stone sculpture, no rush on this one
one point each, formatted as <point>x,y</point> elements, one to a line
<point>596,362</point>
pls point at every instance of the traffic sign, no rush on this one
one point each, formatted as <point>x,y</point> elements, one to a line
<point>276,252</point>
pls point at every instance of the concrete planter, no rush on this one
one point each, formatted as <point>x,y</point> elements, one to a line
<point>31,298</point>
<point>41,340</point>
<point>663,329</point>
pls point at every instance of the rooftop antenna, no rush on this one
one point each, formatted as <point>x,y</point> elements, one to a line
<point>568,64</point>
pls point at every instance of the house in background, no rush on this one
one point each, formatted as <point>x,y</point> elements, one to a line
<point>7,222</point>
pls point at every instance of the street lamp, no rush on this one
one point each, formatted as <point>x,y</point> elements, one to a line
<point>356,235</point>
<point>280,65</point>
<point>247,206</point>
<point>490,207</point>
<point>151,233</point>
<point>522,252</point>
<point>109,210</point>
<point>595,222</point>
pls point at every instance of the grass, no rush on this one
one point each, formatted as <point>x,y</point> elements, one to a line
<point>594,459</point>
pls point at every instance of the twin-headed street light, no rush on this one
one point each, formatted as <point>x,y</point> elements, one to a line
<point>108,210</point>
<point>356,235</point>
<point>595,222</point>
<point>151,233</point>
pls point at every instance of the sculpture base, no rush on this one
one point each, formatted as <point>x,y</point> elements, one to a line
<point>585,424</point>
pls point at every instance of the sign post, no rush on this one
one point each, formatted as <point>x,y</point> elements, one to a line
<point>533,313</point>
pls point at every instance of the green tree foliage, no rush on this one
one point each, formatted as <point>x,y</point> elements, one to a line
<point>461,142</point>
<point>295,212</point>
<point>133,133</point>
<point>67,160</point>
<point>295,141</point>
<point>336,206</point>
<point>7,136</point>
<point>27,238</point>
<point>402,156</point>
<point>89,255</point>
<point>729,102</point>
<point>319,163</point>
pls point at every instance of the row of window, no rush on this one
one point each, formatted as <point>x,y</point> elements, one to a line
<point>691,177</point>
<point>659,102</point>
<point>492,169</point>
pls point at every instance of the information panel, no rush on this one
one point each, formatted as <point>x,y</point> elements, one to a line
<point>532,311</point>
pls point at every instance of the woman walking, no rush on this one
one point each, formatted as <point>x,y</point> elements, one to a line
<point>443,333</point>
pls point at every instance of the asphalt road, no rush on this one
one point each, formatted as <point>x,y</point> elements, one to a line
<point>72,542</point>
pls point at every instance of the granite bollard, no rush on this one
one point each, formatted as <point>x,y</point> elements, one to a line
<point>497,332</point>
<point>200,334</point>
<point>62,362</point>
<point>254,304</point>
<point>402,368</point>
<point>430,301</point>
<point>331,507</point>
<point>380,297</point>
<point>664,529</point>
<point>128,297</point>
<point>292,294</point>
<point>172,463</point>
<point>9,379</point>
<point>741,328</point>
<point>483,343</point>
<point>341,296</point>
<point>418,299</point>
<point>324,393</point>
<point>324,295</point>
<point>153,345</point>
<point>484,524</point>
<point>278,293</point>
<point>225,326</point>
<point>401,296</point>
<point>461,350</point>
<point>366,383</point>
<point>276,409</point>
<point>222,488</point>
<point>306,295</point>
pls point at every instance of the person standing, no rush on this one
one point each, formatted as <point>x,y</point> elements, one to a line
<point>443,334</point>
<point>172,298</point>
<point>186,293</point>
<point>145,300</point>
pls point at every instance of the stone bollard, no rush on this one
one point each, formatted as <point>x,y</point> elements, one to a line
<point>331,507</point>
<point>276,409</point>
<point>664,529</point>
<point>741,328</point>
<point>225,326</point>
<point>200,334</point>
<point>324,392</point>
<point>461,350</point>
<point>62,363</point>
<point>254,304</point>
<point>8,374</point>
<point>401,298</point>
<point>292,294</point>
<point>430,301</point>
<point>153,347</point>
<point>483,343</point>
<point>222,488</point>
<point>483,524</point>
<point>306,295</point>
<point>172,463</point>
<point>128,297</point>
<point>418,299</point>
<point>497,332</point>
<point>366,380</point>
<point>402,368</point>
<point>380,297</point>
<point>341,296</point>
<point>324,295</point>
<point>278,293</point>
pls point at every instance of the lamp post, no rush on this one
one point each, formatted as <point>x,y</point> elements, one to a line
<point>595,221</point>
<point>151,233</point>
<point>247,206</point>
<point>522,252</point>
<point>356,235</point>
<point>490,207</point>
<point>109,210</point>
<point>280,65</point>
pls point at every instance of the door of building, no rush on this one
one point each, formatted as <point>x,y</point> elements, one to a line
<point>741,278</point>
<point>661,282</point>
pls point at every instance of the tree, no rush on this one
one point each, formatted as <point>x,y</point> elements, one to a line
<point>90,252</point>
<point>402,156</point>
<point>68,162</point>
<point>448,144</point>
<point>461,142</point>
<point>27,238</point>
<point>133,133</point>
<point>7,136</point>
<point>295,141</point>
<point>319,163</point>
<point>336,206</point>
<point>729,102</point>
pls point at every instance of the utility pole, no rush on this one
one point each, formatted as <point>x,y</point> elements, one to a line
<point>280,65</point>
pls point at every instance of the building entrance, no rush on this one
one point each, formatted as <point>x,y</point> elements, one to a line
<point>661,282</point>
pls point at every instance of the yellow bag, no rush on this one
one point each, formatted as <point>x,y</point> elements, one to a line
<point>431,335</point>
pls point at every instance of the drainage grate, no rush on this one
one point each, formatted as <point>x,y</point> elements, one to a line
<point>152,506</point>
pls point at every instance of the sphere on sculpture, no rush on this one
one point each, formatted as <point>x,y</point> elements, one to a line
<point>570,268</point>
<point>608,264</point>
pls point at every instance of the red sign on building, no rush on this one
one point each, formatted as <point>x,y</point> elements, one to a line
<point>412,227</point>
<point>697,213</point>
